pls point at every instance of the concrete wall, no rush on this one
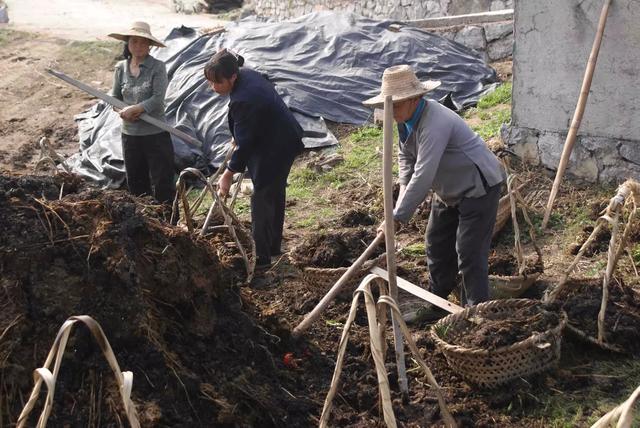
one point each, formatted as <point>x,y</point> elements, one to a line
<point>383,9</point>
<point>553,39</point>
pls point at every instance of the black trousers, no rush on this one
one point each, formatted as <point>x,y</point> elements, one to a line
<point>149,164</point>
<point>458,239</point>
<point>267,216</point>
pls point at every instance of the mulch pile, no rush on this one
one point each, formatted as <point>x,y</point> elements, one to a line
<point>165,299</point>
<point>504,264</point>
<point>334,249</point>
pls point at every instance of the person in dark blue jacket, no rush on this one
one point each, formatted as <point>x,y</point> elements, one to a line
<point>267,137</point>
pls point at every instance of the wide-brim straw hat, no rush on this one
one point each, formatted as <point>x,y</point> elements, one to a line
<point>139,29</point>
<point>402,84</point>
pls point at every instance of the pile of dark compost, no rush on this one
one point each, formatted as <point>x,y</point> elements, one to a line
<point>334,249</point>
<point>493,330</point>
<point>582,299</point>
<point>506,264</point>
<point>164,298</point>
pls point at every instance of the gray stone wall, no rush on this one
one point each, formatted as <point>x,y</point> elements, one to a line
<point>553,39</point>
<point>494,40</point>
<point>382,9</point>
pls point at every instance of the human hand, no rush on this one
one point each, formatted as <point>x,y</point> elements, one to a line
<point>381,228</point>
<point>224,183</point>
<point>132,113</point>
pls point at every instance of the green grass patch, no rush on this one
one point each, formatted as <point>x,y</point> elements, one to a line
<point>315,217</point>
<point>361,153</point>
<point>491,122</point>
<point>362,161</point>
<point>610,382</point>
<point>101,51</point>
<point>9,36</point>
<point>635,254</point>
<point>416,250</point>
<point>501,95</point>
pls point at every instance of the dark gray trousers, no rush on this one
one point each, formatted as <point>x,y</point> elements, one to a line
<point>149,165</point>
<point>458,239</point>
<point>267,217</point>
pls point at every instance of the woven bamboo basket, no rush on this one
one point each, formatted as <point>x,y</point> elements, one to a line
<point>326,277</point>
<point>510,287</point>
<point>491,368</point>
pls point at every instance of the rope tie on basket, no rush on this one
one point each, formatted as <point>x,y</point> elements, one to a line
<point>377,318</point>
<point>44,374</point>
<point>230,220</point>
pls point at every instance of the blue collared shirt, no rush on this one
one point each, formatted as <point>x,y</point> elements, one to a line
<point>406,128</point>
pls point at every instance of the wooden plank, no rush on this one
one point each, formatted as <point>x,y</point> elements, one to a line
<point>468,19</point>
<point>114,102</point>
<point>419,292</point>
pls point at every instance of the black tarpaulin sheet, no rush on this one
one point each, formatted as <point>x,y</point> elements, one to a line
<point>323,64</point>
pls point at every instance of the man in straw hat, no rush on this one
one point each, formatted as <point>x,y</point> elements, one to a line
<point>439,152</point>
<point>141,81</point>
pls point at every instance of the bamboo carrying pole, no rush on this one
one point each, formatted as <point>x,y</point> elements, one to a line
<point>579,112</point>
<point>333,292</point>
<point>389,233</point>
<point>120,104</point>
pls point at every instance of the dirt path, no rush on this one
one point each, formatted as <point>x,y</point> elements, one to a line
<point>94,19</point>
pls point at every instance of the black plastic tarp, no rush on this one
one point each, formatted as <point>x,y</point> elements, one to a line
<point>323,64</point>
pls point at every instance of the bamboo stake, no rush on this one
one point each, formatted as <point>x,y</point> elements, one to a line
<point>611,265</point>
<point>579,112</point>
<point>389,234</point>
<point>333,292</point>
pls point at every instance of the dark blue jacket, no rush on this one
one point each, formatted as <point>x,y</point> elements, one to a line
<point>267,135</point>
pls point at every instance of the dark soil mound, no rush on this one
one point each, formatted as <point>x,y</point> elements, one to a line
<point>496,330</point>
<point>357,217</point>
<point>507,265</point>
<point>334,249</point>
<point>582,302</point>
<point>163,297</point>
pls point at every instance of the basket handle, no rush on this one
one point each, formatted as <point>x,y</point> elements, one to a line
<point>43,374</point>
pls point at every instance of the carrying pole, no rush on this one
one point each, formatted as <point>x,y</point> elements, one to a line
<point>579,112</point>
<point>389,234</point>
<point>114,102</point>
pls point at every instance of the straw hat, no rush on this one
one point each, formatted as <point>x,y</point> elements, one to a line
<point>401,83</point>
<point>140,29</point>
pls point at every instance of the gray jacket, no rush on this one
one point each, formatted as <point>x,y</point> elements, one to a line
<point>445,155</point>
<point>147,89</point>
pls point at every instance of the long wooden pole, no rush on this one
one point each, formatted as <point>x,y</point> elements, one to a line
<point>389,234</point>
<point>579,112</point>
<point>333,292</point>
<point>120,104</point>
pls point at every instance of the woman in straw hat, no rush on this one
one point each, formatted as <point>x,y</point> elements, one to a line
<point>438,151</point>
<point>141,81</point>
<point>267,137</point>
